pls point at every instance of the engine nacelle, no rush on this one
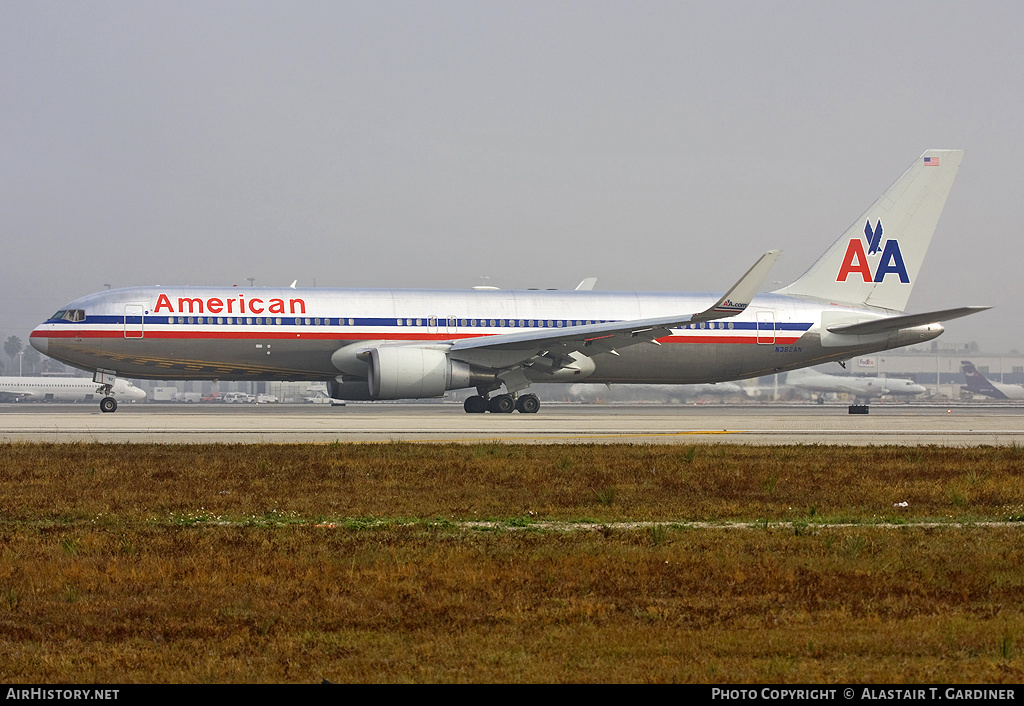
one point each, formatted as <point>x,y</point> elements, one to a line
<point>348,390</point>
<point>408,372</point>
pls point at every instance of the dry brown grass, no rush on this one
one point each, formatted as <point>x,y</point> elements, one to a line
<point>205,564</point>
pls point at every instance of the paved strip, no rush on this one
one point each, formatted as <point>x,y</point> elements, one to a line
<point>902,425</point>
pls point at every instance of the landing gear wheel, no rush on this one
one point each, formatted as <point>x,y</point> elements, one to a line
<point>108,404</point>
<point>502,404</point>
<point>528,404</point>
<point>475,404</point>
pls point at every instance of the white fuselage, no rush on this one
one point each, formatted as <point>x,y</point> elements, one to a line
<point>860,387</point>
<point>1009,392</point>
<point>64,389</point>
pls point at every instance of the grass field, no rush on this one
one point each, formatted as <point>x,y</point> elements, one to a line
<point>510,563</point>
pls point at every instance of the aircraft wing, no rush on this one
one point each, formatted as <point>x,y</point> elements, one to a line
<point>559,345</point>
<point>22,394</point>
<point>895,323</point>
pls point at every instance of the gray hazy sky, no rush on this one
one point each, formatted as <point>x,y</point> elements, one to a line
<point>655,145</point>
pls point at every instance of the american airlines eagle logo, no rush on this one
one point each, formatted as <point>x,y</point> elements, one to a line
<point>856,261</point>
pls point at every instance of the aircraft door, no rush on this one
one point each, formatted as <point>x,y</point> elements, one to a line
<point>134,320</point>
<point>451,326</point>
<point>766,327</point>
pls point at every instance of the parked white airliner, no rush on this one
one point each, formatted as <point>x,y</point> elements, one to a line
<point>398,344</point>
<point>862,388</point>
<point>65,390</point>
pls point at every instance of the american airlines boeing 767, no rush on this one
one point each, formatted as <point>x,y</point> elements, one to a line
<point>389,344</point>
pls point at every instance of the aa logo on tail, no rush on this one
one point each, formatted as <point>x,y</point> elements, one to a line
<point>855,261</point>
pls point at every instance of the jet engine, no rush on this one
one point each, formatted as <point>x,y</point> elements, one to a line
<point>409,372</point>
<point>401,372</point>
<point>352,390</point>
<point>397,372</point>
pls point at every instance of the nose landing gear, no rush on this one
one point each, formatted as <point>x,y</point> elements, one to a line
<point>106,379</point>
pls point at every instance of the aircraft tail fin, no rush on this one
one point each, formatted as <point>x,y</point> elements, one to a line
<point>978,383</point>
<point>876,261</point>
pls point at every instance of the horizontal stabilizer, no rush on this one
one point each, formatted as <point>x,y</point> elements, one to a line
<point>895,323</point>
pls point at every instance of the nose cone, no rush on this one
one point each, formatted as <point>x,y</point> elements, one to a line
<point>127,391</point>
<point>38,341</point>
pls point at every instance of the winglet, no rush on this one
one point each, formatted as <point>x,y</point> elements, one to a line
<point>586,285</point>
<point>737,299</point>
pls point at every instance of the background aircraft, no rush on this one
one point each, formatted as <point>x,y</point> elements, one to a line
<point>592,392</point>
<point>862,388</point>
<point>978,384</point>
<point>36,389</point>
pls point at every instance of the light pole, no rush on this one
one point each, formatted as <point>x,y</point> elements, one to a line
<point>21,354</point>
<point>251,280</point>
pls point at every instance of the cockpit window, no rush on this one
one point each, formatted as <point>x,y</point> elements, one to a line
<point>70,315</point>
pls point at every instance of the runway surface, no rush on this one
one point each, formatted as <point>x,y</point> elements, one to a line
<point>962,425</point>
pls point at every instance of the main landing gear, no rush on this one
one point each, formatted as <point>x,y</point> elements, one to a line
<point>502,404</point>
<point>108,404</point>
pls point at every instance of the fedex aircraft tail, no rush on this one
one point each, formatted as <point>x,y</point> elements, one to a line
<point>876,261</point>
<point>976,382</point>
